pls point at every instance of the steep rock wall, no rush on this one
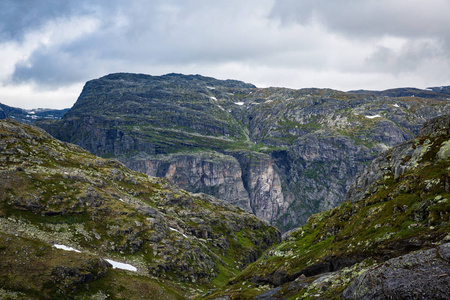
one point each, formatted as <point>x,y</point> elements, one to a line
<point>248,180</point>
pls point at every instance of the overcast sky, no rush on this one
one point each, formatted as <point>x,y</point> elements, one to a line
<point>50,48</point>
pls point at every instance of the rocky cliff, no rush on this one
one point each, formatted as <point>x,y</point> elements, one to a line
<point>296,151</point>
<point>390,240</point>
<point>76,226</point>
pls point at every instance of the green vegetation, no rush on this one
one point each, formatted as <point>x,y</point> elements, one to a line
<point>56,193</point>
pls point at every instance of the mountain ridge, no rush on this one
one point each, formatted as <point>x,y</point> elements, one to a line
<point>312,141</point>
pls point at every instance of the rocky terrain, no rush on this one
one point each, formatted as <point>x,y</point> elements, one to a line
<point>389,240</point>
<point>76,226</point>
<point>279,153</point>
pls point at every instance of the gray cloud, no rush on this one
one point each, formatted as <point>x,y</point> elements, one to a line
<point>329,43</point>
<point>50,68</point>
<point>422,26</point>
<point>406,59</point>
<point>156,32</point>
<point>369,18</point>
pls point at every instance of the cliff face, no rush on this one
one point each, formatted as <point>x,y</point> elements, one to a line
<point>248,180</point>
<point>311,142</point>
<point>212,173</point>
<point>68,217</point>
<point>389,241</point>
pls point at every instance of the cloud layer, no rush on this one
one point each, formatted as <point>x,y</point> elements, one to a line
<point>50,47</point>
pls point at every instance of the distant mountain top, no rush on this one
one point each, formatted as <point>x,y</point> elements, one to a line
<point>442,92</point>
<point>30,116</point>
<point>176,77</point>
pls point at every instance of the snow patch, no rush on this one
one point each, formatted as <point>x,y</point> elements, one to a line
<point>63,247</point>
<point>396,105</point>
<point>213,98</point>
<point>211,87</point>
<point>239,103</point>
<point>121,200</point>
<point>373,117</point>
<point>122,266</point>
<point>173,229</point>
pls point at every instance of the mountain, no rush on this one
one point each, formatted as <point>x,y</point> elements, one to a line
<point>389,240</point>
<point>30,116</point>
<point>76,226</point>
<point>279,153</point>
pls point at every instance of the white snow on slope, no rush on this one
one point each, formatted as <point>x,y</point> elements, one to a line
<point>63,247</point>
<point>396,105</point>
<point>115,264</point>
<point>122,266</point>
<point>173,229</point>
<point>239,103</point>
<point>373,117</point>
<point>213,98</point>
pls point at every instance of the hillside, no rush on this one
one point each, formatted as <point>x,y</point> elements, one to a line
<point>389,240</point>
<point>279,153</point>
<point>68,217</point>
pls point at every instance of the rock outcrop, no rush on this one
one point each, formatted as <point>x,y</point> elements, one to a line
<point>313,141</point>
<point>418,275</point>
<point>402,158</point>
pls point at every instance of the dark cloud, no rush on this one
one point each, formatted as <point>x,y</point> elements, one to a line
<point>50,68</point>
<point>17,17</point>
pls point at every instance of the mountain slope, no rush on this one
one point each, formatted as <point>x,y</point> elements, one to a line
<point>55,195</point>
<point>282,154</point>
<point>364,249</point>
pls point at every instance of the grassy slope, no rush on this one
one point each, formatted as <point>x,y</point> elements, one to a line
<point>53,192</point>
